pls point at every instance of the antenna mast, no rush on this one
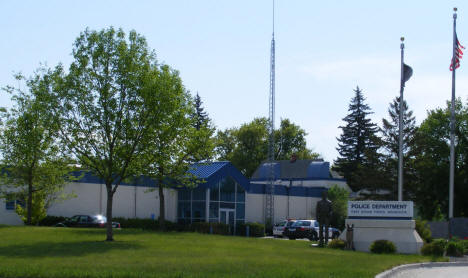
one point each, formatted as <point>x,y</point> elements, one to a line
<point>270,186</point>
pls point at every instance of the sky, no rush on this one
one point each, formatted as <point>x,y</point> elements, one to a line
<point>324,50</point>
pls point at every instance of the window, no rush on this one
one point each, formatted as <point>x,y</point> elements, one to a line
<point>226,194</point>
<point>227,205</point>
<point>227,189</point>
<point>184,209</point>
<point>240,194</point>
<point>240,210</point>
<point>214,193</point>
<point>214,209</point>
<point>198,194</point>
<point>10,205</point>
<point>198,210</point>
<point>184,195</point>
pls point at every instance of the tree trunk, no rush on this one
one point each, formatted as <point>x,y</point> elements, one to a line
<point>162,212</point>
<point>110,196</point>
<point>29,204</point>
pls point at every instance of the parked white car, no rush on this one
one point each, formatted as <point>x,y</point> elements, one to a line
<point>280,228</point>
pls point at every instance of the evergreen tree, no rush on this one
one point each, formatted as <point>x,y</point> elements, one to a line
<point>201,117</point>
<point>390,137</point>
<point>359,160</point>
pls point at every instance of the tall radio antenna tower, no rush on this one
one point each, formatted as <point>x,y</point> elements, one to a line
<point>270,186</point>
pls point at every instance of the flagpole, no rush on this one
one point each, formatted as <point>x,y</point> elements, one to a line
<point>452,119</point>
<point>400,140</point>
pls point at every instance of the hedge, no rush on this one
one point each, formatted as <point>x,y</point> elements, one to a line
<point>436,248</point>
<point>382,246</point>
<point>255,229</point>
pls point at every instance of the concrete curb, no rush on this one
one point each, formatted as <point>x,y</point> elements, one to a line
<point>391,272</point>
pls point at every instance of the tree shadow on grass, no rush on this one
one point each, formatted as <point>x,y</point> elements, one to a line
<point>65,249</point>
<point>117,232</point>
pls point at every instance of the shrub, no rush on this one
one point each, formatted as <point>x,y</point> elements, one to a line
<point>423,230</point>
<point>204,228</point>
<point>382,246</point>
<point>336,244</point>
<point>454,249</point>
<point>38,211</point>
<point>255,229</point>
<point>464,243</point>
<point>339,197</point>
<point>436,248</point>
<point>51,220</point>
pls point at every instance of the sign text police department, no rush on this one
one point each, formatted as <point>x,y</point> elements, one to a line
<point>385,209</point>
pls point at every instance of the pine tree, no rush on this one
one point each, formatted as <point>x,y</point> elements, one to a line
<point>359,160</point>
<point>390,136</point>
<point>201,116</point>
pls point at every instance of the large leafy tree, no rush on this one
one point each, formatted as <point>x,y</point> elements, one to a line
<point>247,146</point>
<point>432,148</point>
<point>180,139</point>
<point>106,104</point>
<point>359,161</point>
<point>390,137</point>
<point>35,170</point>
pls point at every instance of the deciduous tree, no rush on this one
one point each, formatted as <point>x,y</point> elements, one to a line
<point>432,142</point>
<point>106,104</point>
<point>35,170</point>
<point>181,138</point>
<point>247,146</point>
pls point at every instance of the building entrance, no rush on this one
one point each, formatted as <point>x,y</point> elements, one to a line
<point>226,216</point>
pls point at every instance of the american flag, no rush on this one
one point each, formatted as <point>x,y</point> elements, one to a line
<point>457,48</point>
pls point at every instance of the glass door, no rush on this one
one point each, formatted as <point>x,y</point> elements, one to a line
<point>226,216</point>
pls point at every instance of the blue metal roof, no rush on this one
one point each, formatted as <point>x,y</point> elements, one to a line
<point>205,170</point>
<point>213,172</point>
<point>210,172</point>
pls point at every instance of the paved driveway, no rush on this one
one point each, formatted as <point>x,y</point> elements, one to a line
<point>434,272</point>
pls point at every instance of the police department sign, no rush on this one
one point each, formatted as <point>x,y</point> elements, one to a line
<point>380,209</point>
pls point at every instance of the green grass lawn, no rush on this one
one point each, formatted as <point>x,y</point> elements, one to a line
<point>66,252</point>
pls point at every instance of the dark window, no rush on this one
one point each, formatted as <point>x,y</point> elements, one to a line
<point>227,189</point>
<point>240,211</point>
<point>184,195</point>
<point>214,193</point>
<point>184,209</point>
<point>199,194</point>
<point>10,205</point>
<point>226,205</point>
<point>214,208</point>
<point>198,210</point>
<point>240,194</point>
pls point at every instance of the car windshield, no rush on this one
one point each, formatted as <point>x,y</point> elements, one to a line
<point>280,224</point>
<point>290,223</point>
<point>302,223</point>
